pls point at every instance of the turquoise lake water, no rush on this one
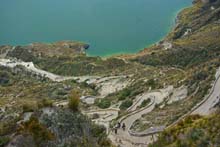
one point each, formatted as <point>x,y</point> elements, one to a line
<point>109,26</point>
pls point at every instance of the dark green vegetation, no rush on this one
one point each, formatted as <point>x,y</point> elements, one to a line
<point>145,103</point>
<point>103,103</point>
<point>126,104</point>
<point>4,141</point>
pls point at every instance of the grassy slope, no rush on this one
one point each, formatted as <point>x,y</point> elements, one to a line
<point>193,131</point>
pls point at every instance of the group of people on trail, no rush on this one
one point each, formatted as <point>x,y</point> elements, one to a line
<point>118,126</point>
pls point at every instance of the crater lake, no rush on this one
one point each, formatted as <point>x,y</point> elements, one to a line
<point>108,26</point>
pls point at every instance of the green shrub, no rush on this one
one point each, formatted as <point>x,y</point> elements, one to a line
<point>103,103</point>
<point>4,78</point>
<point>151,83</point>
<point>200,76</point>
<point>124,94</point>
<point>126,104</point>
<point>195,134</point>
<point>28,107</point>
<point>61,92</point>
<point>45,103</point>
<point>104,142</point>
<point>8,126</point>
<point>145,103</point>
<point>74,100</point>
<point>98,131</point>
<point>4,140</point>
<point>193,131</point>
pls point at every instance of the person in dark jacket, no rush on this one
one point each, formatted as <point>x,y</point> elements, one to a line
<point>123,126</point>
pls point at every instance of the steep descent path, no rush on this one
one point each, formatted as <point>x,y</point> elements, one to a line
<point>128,138</point>
<point>212,99</point>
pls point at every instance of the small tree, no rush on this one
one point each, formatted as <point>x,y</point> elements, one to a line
<point>74,100</point>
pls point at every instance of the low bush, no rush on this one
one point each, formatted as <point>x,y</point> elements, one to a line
<point>194,130</point>
<point>151,83</point>
<point>39,132</point>
<point>4,140</point>
<point>28,107</point>
<point>124,94</point>
<point>8,126</point>
<point>45,103</point>
<point>4,78</point>
<point>145,103</point>
<point>103,103</point>
<point>74,100</point>
<point>126,104</point>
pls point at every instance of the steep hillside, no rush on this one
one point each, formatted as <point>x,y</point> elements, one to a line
<point>147,91</point>
<point>195,39</point>
<point>194,46</point>
<point>193,131</point>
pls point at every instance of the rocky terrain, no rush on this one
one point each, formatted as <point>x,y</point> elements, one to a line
<point>166,95</point>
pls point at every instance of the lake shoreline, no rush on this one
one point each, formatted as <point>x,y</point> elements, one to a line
<point>175,21</point>
<point>138,26</point>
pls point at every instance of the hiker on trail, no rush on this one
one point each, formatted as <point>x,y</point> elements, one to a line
<point>116,130</point>
<point>119,125</point>
<point>123,126</point>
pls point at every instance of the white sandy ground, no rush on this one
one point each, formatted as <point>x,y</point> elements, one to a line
<point>178,94</point>
<point>88,99</point>
<point>113,85</point>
